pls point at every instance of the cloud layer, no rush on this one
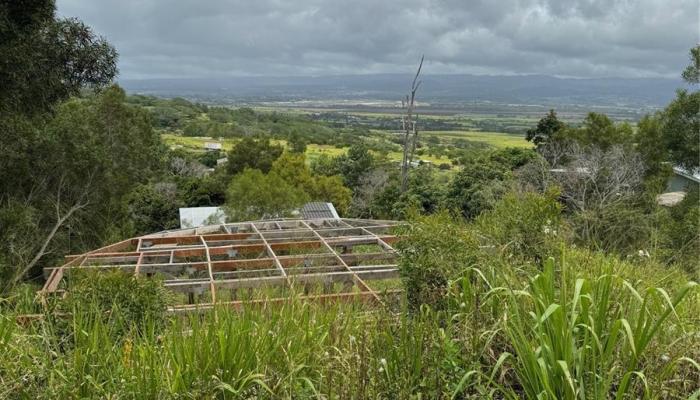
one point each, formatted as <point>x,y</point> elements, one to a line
<point>216,38</point>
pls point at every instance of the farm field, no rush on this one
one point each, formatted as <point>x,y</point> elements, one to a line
<point>196,145</point>
<point>313,151</point>
<point>495,139</point>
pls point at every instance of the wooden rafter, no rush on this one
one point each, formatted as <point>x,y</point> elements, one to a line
<point>253,254</point>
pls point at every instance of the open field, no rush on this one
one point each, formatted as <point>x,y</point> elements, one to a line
<point>196,144</point>
<point>495,139</point>
<point>313,151</point>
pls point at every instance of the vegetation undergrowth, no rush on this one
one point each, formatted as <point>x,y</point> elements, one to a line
<point>579,325</point>
<point>559,276</point>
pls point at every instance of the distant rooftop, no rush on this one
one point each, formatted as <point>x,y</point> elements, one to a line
<point>670,199</point>
<point>213,146</point>
<point>192,217</point>
<point>319,210</point>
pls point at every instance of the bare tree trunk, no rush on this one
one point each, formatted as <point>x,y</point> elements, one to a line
<point>409,127</point>
<point>414,141</point>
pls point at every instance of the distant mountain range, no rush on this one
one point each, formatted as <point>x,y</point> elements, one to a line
<point>444,89</point>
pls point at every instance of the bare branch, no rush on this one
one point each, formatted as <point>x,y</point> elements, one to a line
<point>79,203</point>
<point>409,127</point>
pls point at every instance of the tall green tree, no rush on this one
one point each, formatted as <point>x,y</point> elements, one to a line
<point>354,164</point>
<point>71,178</point>
<point>44,59</point>
<point>297,143</point>
<point>600,131</point>
<point>253,195</point>
<point>674,133</point>
<point>484,179</point>
<point>546,128</point>
<point>680,123</point>
<point>293,169</point>
<point>47,184</point>
<point>154,207</point>
<point>477,187</point>
<point>252,153</point>
<point>691,74</point>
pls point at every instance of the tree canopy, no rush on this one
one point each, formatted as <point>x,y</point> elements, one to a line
<point>253,153</point>
<point>546,128</point>
<point>45,59</point>
<point>691,74</point>
<point>253,195</point>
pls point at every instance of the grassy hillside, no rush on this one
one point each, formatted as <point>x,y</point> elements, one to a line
<point>585,324</point>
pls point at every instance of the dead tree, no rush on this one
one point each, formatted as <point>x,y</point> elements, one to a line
<point>408,122</point>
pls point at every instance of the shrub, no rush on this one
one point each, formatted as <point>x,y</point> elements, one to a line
<point>624,226</point>
<point>680,239</point>
<point>435,251</point>
<point>528,225</point>
<point>120,298</point>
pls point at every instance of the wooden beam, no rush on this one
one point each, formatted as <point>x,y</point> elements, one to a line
<point>240,304</point>
<point>358,281</point>
<point>212,288</point>
<point>272,254</point>
<point>253,248</point>
<point>189,285</point>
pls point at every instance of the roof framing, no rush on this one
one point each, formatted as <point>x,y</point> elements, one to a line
<point>330,259</point>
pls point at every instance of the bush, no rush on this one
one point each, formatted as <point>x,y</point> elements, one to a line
<point>119,298</point>
<point>477,187</point>
<point>680,234</point>
<point>528,225</point>
<point>434,252</point>
<point>622,227</point>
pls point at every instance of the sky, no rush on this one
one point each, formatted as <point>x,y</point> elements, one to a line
<point>220,38</point>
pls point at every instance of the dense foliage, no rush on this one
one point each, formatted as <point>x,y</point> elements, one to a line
<point>582,323</point>
<point>45,59</point>
<point>73,171</point>
<point>253,153</point>
<point>255,195</point>
<point>547,273</point>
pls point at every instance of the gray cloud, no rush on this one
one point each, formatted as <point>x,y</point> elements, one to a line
<point>215,38</point>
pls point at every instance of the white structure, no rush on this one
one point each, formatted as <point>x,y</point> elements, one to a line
<point>682,179</point>
<point>192,217</point>
<point>213,146</point>
<point>677,186</point>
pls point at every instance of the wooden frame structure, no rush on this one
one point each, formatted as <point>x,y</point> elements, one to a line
<point>330,259</point>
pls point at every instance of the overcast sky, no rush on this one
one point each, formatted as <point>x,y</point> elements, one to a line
<point>215,38</point>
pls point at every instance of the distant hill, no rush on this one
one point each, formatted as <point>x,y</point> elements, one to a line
<point>448,89</point>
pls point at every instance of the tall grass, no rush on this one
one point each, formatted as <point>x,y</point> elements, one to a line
<point>587,343</point>
<point>584,327</point>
